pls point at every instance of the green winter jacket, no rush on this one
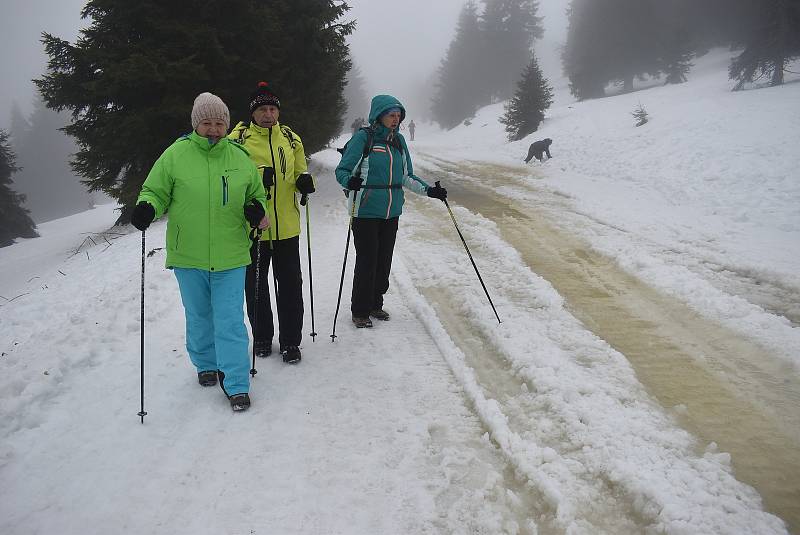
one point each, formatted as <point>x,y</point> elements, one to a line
<point>385,171</point>
<point>205,188</point>
<point>280,148</point>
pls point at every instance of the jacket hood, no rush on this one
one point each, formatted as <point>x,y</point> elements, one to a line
<point>381,103</point>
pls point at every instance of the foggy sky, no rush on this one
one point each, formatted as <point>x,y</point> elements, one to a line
<point>397,45</point>
<point>22,56</point>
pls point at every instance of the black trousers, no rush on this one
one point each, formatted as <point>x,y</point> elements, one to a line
<point>374,240</point>
<point>286,265</point>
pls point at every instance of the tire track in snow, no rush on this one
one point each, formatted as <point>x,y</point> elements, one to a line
<point>601,485</point>
<point>725,389</point>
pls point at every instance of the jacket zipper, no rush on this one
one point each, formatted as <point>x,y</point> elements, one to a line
<point>275,183</point>
<point>391,165</point>
<point>224,190</point>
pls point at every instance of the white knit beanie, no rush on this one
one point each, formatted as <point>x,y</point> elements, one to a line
<point>208,106</point>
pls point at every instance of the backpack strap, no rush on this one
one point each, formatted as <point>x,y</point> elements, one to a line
<point>370,140</point>
<point>288,134</point>
<point>242,131</point>
<point>367,148</point>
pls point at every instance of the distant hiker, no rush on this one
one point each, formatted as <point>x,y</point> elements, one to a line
<point>277,147</point>
<point>357,123</point>
<point>538,149</point>
<point>411,128</point>
<point>382,153</point>
<point>213,193</point>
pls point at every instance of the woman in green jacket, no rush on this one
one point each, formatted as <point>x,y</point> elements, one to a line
<point>214,195</point>
<point>376,166</point>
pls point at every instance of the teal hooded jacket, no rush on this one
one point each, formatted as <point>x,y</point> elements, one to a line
<point>385,171</point>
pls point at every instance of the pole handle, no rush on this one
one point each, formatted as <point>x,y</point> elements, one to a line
<point>267,176</point>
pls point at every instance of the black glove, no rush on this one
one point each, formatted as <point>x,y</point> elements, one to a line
<point>354,183</point>
<point>437,192</point>
<point>254,213</point>
<point>305,184</point>
<point>142,215</point>
<point>267,176</point>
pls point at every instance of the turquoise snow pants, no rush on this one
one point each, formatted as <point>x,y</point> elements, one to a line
<point>216,336</point>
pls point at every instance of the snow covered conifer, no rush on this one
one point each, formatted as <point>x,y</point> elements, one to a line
<point>641,116</point>
<point>525,111</point>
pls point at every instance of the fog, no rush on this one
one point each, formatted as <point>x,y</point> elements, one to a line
<point>22,55</point>
<point>397,46</point>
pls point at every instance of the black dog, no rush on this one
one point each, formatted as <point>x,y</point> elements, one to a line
<point>538,149</point>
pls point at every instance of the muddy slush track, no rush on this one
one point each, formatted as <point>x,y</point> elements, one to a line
<point>723,387</point>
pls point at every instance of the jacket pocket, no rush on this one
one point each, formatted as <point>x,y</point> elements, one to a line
<point>175,235</point>
<point>224,190</point>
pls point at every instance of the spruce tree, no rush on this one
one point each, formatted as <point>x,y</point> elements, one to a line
<point>14,219</point>
<point>20,127</point>
<point>459,90</point>
<point>509,29</point>
<point>356,97</point>
<point>312,56</point>
<point>525,111</point>
<point>43,151</point>
<point>676,55</point>
<point>582,57</point>
<point>131,78</point>
<point>611,41</point>
<point>771,40</point>
<point>707,23</point>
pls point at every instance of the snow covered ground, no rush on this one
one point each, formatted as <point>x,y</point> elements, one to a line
<point>443,420</point>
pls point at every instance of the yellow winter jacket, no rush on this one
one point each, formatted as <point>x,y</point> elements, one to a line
<point>280,148</point>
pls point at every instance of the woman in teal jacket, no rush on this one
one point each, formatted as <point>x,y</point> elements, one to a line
<point>376,166</point>
<point>214,194</point>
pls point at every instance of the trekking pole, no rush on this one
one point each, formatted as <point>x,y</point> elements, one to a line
<point>344,263</point>
<point>256,234</point>
<point>268,178</point>
<point>304,202</point>
<point>272,258</point>
<point>142,413</point>
<point>470,256</point>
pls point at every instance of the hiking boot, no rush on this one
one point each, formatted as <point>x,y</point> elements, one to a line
<point>379,314</point>
<point>291,354</point>
<point>207,378</point>
<point>240,402</point>
<point>361,322</point>
<point>262,349</point>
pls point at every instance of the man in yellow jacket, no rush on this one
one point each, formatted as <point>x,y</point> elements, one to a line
<point>278,152</point>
